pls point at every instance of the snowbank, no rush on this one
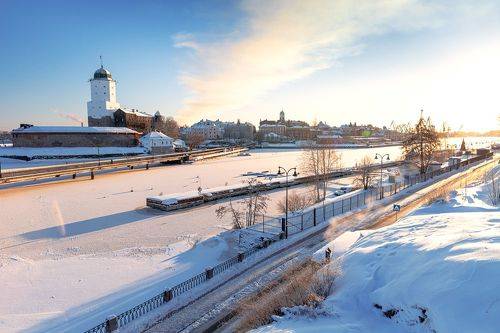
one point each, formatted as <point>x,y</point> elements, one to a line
<point>37,301</point>
<point>340,245</point>
<point>434,271</point>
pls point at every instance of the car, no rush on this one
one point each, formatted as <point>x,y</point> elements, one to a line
<point>338,193</point>
<point>346,189</point>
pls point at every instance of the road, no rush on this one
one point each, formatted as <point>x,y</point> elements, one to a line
<point>217,306</point>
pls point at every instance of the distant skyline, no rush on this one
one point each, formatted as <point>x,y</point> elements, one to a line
<point>336,61</point>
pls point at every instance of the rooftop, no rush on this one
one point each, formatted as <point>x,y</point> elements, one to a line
<point>136,112</point>
<point>155,135</point>
<point>102,73</point>
<point>73,129</point>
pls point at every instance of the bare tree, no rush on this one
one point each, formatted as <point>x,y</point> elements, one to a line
<point>492,183</point>
<point>171,127</point>
<point>421,143</point>
<point>245,214</point>
<point>237,215</point>
<point>320,162</point>
<point>193,140</point>
<point>296,202</point>
<point>168,126</point>
<point>366,175</point>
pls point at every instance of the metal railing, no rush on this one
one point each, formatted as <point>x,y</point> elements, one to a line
<point>296,223</point>
<point>13,175</point>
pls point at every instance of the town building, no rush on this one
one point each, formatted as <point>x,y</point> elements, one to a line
<point>73,136</point>
<point>157,143</point>
<point>180,145</point>
<point>134,119</point>
<point>213,130</point>
<point>291,129</point>
<point>239,131</point>
<point>208,129</point>
<point>268,127</point>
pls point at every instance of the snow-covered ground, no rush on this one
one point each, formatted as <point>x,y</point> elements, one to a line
<point>68,246</point>
<point>70,294</point>
<point>436,270</point>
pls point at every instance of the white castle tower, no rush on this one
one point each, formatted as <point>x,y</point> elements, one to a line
<point>102,102</point>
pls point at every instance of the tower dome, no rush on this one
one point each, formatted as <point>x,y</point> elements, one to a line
<point>102,73</point>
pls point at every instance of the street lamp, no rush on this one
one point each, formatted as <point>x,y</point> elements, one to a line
<point>377,156</point>
<point>98,156</point>
<point>281,171</point>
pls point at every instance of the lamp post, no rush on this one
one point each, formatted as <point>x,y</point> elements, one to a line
<point>98,156</point>
<point>377,156</point>
<point>281,171</point>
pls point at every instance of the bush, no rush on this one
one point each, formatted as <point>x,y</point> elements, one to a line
<point>307,284</point>
<point>296,202</point>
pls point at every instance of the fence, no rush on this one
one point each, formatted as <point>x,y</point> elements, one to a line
<point>105,162</point>
<point>276,228</point>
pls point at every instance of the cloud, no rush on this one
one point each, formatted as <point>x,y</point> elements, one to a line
<point>183,40</point>
<point>283,41</point>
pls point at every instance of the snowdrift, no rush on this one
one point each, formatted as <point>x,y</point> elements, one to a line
<point>436,270</point>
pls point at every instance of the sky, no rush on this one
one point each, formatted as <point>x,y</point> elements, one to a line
<point>363,61</point>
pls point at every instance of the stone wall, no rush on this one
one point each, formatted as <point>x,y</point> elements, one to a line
<point>74,140</point>
<point>101,122</point>
<point>161,150</point>
<point>136,122</point>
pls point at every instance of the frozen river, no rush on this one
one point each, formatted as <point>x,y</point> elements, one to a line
<point>109,213</point>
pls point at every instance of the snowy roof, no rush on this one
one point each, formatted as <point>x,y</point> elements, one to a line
<point>136,112</point>
<point>73,129</point>
<point>272,125</point>
<point>179,142</point>
<point>175,197</point>
<point>156,135</point>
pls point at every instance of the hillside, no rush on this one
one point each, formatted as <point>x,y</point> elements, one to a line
<point>434,271</point>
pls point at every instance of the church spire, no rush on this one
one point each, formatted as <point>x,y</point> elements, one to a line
<point>100,57</point>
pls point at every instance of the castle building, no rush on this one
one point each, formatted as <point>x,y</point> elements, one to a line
<point>73,136</point>
<point>104,111</point>
<point>102,102</point>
